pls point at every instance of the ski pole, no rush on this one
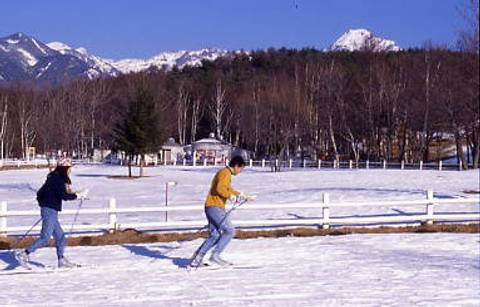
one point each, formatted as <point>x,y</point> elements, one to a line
<point>14,246</point>
<point>76,215</point>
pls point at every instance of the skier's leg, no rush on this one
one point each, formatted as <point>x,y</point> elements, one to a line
<point>213,236</point>
<point>59,236</point>
<point>227,232</point>
<point>48,223</point>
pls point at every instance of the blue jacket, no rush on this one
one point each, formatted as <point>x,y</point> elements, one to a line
<point>53,191</point>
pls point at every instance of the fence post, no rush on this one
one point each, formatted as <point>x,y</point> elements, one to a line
<point>304,163</point>
<point>165,161</point>
<point>194,158</point>
<point>368,164</point>
<point>402,165</point>
<point>421,165</point>
<point>350,164</point>
<point>3,219</point>
<point>326,211</point>
<point>175,162</point>
<point>384,164</point>
<point>290,163</point>
<point>155,161</point>
<point>204,162</point>
<point>112,215</point>
<point>335,163</point>
<point>460,166</point>
<point>430,207</point>
<point>251,163</point>
<point>263,163</point>
<point>319,163</point>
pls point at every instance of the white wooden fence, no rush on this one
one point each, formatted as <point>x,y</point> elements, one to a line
<point>384,164</point>
<point>112,212</point>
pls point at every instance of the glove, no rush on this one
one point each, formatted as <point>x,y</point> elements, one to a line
<point>82,194</point>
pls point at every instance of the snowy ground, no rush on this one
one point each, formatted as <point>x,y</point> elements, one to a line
<point>354,270</point>
<point>299,185</point>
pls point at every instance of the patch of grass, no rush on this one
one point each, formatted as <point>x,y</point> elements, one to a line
<point>135,236</point>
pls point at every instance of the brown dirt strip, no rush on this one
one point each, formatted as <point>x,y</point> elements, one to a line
<point>135,236</point>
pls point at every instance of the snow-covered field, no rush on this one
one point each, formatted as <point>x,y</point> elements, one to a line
<point>299,185</point>
<point>354,270</point>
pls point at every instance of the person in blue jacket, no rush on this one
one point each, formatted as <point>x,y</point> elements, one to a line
<point>50,196</point>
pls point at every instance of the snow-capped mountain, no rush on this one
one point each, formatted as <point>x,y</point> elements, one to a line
<point>97,65</point>
<point>25,58</point>
<point>168,60</point>
<point>362,39</point>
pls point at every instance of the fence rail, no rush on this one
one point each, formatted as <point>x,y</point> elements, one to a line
<point>420,165</point>
<point>112,212</point>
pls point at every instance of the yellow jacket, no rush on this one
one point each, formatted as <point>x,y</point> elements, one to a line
<point>221,189</point>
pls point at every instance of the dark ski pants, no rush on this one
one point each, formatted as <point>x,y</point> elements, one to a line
<point>221,231</point>
<point>50,226</point>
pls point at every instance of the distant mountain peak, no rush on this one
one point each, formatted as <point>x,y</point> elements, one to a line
<point>363,39</point>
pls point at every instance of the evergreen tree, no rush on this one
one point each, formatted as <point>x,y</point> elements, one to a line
<point>139,131</point>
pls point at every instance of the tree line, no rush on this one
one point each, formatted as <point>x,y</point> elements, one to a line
<point>281,103</point>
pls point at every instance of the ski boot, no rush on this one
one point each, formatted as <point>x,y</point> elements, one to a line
<point>215,258</point>
<point>23,259</point>
<point>66,264</point>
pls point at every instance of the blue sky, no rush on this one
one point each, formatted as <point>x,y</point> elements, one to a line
<point>143,28</point>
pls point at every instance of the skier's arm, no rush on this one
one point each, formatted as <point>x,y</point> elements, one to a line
<point>61,189</point>
<point>224,189</point>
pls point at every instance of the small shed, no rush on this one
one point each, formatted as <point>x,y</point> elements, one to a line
<point>172,151</point>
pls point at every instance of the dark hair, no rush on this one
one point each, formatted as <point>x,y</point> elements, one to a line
<point>63,172</point>
<point>237,161</point>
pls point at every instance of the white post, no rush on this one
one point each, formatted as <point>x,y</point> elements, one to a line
<point>251,163</point>
<point>402,164</point>
<point>112,215</point>
<point>276,163</point>
<point>184,162</point>
<point>421,165</point>
<point>319,163</point>
<point>304,163</point>
<point>440,165</point>
<point>326,211</point>
<point>368,164</point>
<point>155,160</point>
<point>18,163</point>
<point>460,166</point>
<point>384,164</point>
<point>175,162</point>
<point>215,161</point>
<point>290,163</point>
<point>263,163</point>
<point>3,219</point>
<point>334,163</point>
<point>430,207</point>
<point>194,159</point>
<point>205,162</point>
<point>165,160</point>
<point>350,164</point>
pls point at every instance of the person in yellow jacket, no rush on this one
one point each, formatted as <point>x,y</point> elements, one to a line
<point>221,230</point>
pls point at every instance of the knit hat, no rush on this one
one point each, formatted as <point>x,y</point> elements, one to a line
<point>64,162</point>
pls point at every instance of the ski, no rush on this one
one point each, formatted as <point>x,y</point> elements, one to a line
<point>207,267</point>
<point>46,270</point>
